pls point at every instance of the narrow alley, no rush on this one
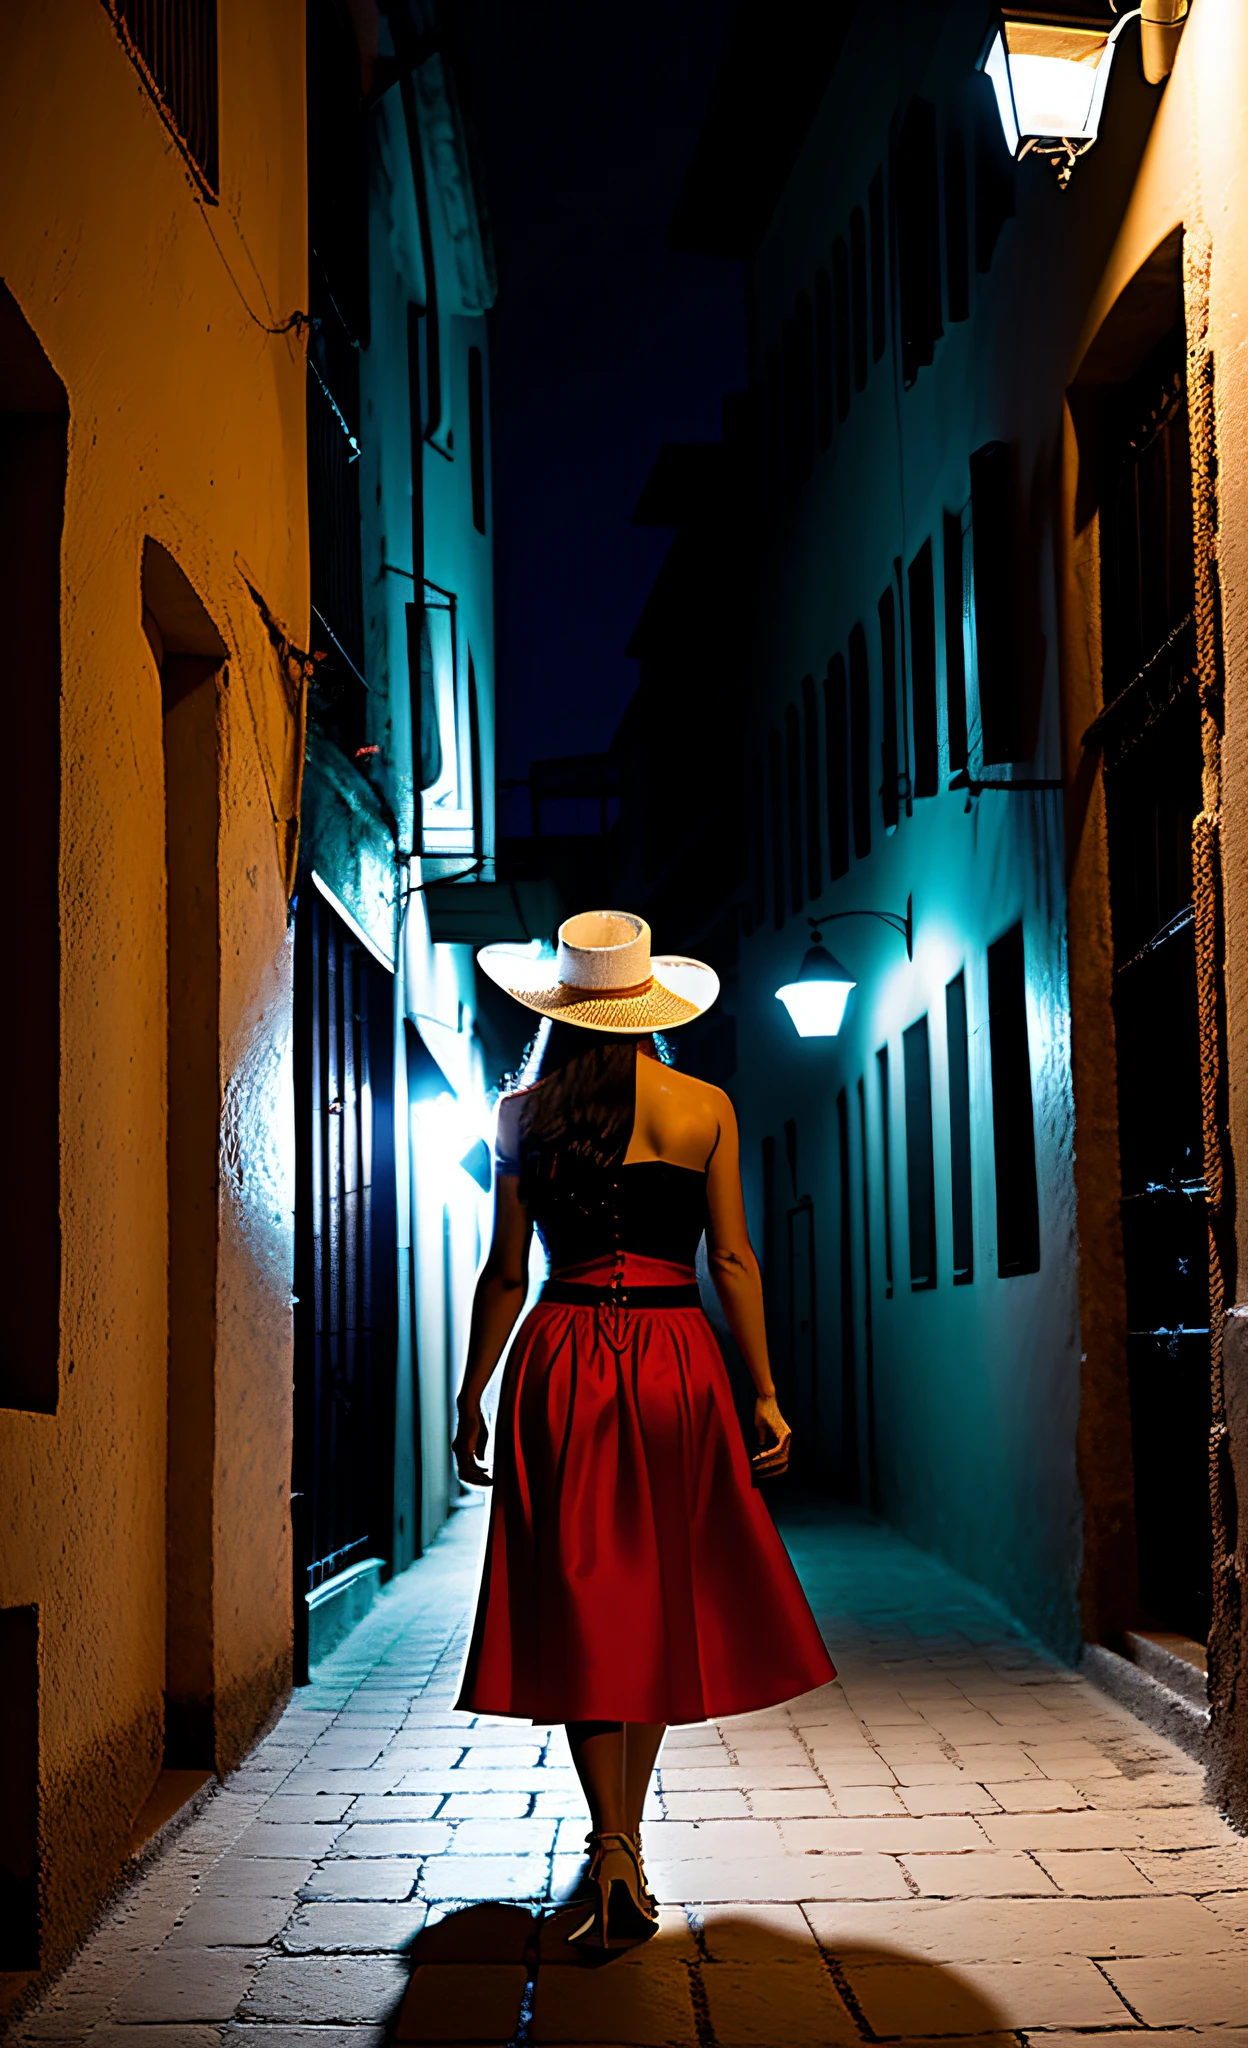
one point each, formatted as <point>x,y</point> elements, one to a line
<point>962,1840</point>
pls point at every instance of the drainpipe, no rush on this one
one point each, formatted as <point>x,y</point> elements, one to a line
<point>1161,26</point>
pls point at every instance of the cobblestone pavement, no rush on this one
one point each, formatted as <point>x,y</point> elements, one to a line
<point>962,1840</point>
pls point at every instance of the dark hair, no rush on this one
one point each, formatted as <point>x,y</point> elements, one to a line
<point>584,1105</point>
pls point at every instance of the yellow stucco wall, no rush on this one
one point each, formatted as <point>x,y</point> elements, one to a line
<point>186,423</point>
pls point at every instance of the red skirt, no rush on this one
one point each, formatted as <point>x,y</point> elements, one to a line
<point>632,1571</point>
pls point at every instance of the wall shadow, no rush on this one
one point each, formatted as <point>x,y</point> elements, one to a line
<point>501,1976</point>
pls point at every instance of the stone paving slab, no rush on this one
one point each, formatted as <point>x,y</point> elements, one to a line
<point>961,1841</point>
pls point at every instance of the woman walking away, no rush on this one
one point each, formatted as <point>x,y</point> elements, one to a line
<point>633,1576</point>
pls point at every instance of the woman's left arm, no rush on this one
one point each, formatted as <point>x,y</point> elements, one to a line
<point>497,1303</point>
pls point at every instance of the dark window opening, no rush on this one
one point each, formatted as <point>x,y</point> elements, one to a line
<point>958,1050</point>
<point>775,792</point>
<point>849,1332</point>
<point>823,357</point>
<point>879,282</point>
<point>916,199</point>
<point>799,394</point>
<point>1147,558</point>
<point>890,763</point>
<point>173,47</point>
<point>957,231</point>
<point>814,849</point>
<point>476,435</point>
<point>793,750</point>
<point>955,642</point>
<point>34,428</point>
<point>840,286</point>
<point>773,425</point>
<point>922,594</point>
<point>858,293</point>
<point>860,739</point>
<point>19,1789</point>
<point>886,1162</point>
<point>836,736</point>
<point>920,1171</point>
<point>1013,1122</point>
<point>993,522</point>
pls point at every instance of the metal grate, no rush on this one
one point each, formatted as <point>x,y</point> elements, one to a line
<point>173,46</point>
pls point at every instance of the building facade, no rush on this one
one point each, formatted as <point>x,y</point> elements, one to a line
<point>152,364</point>
<point>994,694</point>
<point>397,846</point>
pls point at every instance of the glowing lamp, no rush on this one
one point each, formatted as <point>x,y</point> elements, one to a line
<point>816,1000</point>
<point>1050,78</point>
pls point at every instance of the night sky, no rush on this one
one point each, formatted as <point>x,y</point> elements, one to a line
<point>603,344</point>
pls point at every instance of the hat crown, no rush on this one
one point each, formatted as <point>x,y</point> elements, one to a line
<point>604,950</point>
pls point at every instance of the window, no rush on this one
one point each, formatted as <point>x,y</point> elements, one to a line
<point>34,426</point>
<point>775,777</point>
<point>886,1162</point>
<point>879,294</point>
<point>823,357</point>
<point>889,786</point>
<point>860,740</point>
<point>793,749</point>
<point>916,197</point>
<point>173,47</point>
<point>773,424</point>
<point>810,723</point>
<point>840,287</point>
<point>958,1052</point>
<point>476,435</point>
<point>955,641</point>
<point>920,1178</point>
<point>449,800</point>
<point>858,293</point>
<point>19,1788</point>
<point>992,543</point>
<point>1013,1126</point>
<point>957,231</point>
<point>923,671</point>
<point>836,736</point>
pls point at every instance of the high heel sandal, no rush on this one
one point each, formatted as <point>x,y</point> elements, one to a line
<point>648,1900</point>
<point>624,1911</point>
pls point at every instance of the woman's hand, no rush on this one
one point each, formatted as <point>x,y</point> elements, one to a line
<point>469,1446</point>
<point>774,1436</point>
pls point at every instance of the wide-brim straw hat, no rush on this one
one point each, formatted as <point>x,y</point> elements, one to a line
<point>604,978</point>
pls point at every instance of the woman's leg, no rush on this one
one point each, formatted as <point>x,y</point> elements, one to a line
<point>641,1747</point>
<point>598,1754</point>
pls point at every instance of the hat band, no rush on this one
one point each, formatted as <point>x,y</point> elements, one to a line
<point>615,995</point>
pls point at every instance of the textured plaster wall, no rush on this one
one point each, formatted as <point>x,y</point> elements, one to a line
<point>186,423</point>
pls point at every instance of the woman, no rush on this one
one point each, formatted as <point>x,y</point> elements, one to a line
<point>633,1576</point>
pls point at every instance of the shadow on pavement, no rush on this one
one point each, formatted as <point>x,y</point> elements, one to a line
<point>500,1976</point>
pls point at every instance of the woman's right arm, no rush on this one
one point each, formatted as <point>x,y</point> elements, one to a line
<point>734,1270</point>
<point>498,1300</point>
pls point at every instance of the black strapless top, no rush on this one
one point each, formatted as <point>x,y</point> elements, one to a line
<point>651,1208</point>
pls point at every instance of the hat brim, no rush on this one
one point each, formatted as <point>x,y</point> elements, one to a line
<point>680,990</point>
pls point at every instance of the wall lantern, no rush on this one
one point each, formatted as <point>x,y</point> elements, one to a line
<point>1050,75</point>
<point>816,1000</point>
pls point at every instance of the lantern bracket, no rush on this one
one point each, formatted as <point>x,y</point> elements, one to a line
<point>896,920</point>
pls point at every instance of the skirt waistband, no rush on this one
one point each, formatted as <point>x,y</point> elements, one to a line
<point>583,1294</point>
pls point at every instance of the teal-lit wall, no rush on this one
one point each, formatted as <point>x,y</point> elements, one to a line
<point>972,1440</point>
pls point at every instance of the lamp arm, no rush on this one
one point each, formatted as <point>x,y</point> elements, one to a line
<point>902,924</point>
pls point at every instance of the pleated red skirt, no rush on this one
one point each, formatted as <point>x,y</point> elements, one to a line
<point>632,1571</point>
